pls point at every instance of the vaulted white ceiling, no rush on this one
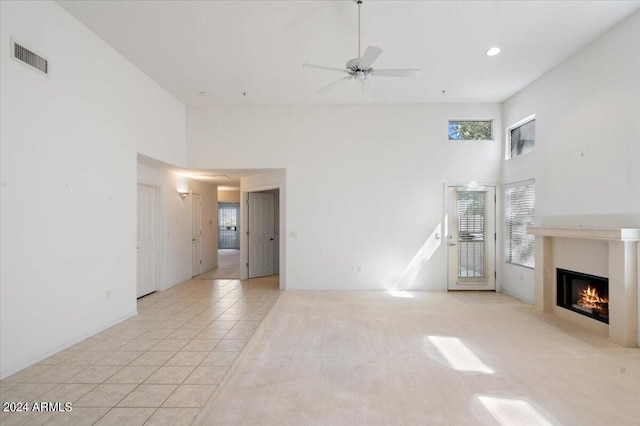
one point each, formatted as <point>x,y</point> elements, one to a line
<point>229,48</point>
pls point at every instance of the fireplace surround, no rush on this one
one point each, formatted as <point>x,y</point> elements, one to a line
<point>602,252</point>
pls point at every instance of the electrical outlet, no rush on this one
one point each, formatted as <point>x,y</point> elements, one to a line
<point>356,268</point>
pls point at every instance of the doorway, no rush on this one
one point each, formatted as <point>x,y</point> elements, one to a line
<point>263,233</point>
<point>471,241</point>
<point>228,244</point>
<point>228,226</point>
<point>147,240</point>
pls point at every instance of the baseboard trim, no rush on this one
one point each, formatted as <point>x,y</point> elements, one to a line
<point>509,293</point>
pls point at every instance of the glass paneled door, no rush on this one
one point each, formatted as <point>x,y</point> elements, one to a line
<point>472,238</point>
<point>228,215</point>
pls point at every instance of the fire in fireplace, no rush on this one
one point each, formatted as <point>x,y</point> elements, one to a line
<point>582,293</point>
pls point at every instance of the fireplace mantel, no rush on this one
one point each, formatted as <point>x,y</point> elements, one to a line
<point>609,234</point>
<point>618,247</point>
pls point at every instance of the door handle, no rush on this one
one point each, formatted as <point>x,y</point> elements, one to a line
<point>270,239</point>
<point>193,239</point>
<point>452,244</point>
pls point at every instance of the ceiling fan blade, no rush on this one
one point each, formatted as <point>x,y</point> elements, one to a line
<point>322,67</point>
<point>369,57</point>
<point>369,88</point>
<point>334,84</point>
<point>396,73</point>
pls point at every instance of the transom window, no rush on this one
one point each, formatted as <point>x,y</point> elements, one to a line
<point>470,130</point>
<point>521,137</point>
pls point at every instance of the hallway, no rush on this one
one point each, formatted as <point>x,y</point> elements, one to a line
<point>228,266</point>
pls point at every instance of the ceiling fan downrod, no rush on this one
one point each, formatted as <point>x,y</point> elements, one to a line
<point>359,3</point>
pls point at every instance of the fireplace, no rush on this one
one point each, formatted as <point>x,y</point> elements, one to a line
<point>585,294</point>
<point>608,252</point>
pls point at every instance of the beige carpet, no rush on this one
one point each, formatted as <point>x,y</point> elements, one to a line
<point>416,358</point>
<point>228,266</point>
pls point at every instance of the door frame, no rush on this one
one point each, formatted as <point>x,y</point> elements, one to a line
<point>158,192</point>
<point>244,239</point>
<point>497,230</point>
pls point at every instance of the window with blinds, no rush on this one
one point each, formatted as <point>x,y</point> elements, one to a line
<point>471,207</point>
<point>520,211</point>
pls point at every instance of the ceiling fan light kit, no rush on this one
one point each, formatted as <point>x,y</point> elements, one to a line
<point>360,68</point>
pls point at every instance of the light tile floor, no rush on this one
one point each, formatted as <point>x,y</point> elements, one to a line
<point>228,266</point>
<point>158,368</point>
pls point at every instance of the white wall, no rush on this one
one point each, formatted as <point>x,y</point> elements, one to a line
<point>228,196</point>
<point>364,184</point>
<point>587,140</point>
<point>175,223</point>
<point>68,193</point>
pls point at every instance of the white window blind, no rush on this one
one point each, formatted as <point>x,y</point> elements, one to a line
<point>471,233</point>
<point>520,211</point>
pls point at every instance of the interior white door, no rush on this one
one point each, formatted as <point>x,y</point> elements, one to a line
<point>472,238</point>
<point>196,234</point>
<point>261,234</point>
<point>146,240</point>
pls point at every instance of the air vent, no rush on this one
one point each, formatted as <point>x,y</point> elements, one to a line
<point>30,58</point>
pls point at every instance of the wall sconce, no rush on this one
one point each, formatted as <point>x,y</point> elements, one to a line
<point>182,186</point>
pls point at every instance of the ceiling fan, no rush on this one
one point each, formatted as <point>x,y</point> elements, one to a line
<point>360,68</point>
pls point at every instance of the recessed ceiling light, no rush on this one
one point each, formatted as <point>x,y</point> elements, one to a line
<point>203,93</point>
<point>493,51</point>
